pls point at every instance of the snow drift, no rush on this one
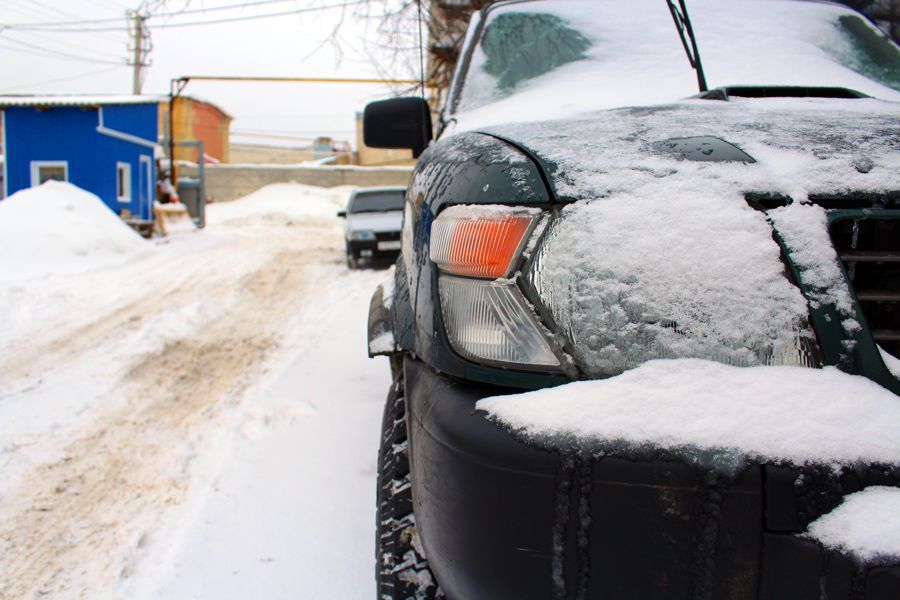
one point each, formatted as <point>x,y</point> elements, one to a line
<point>60,229</point>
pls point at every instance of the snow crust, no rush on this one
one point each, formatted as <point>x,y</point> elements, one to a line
<point>890,361</point>
<point>866,526</point>
<point>637,277</point>
<point>637,58</point>
<point>58,229</point>
<point>718,414</point>
<point>383,343</point>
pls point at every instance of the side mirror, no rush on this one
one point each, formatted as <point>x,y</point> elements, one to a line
<point>342,213</point>
<point>398,123</point>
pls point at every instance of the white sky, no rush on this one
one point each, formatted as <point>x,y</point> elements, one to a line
<point>293,45</point>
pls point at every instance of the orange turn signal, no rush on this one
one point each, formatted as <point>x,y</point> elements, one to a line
<point>480,241</point>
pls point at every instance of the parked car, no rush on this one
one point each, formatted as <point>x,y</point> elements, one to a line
<point>372,230</point>
<point>583,209</point>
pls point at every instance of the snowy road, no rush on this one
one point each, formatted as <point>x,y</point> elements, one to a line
<point>200,421</point>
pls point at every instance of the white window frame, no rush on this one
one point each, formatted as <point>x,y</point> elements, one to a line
<point>123,167</point>
<point>36,169</point>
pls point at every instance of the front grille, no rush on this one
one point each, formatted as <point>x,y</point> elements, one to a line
<point>387,236</point>
<point>870,250</point>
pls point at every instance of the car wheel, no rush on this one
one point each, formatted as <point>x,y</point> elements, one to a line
<point>402,570</point>
<point>352,263</point>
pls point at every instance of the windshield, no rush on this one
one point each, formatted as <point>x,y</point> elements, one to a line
<point>379,201</point>
<point>550,58</point>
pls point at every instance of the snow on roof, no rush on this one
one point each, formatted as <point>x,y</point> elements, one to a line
<point>58,229</point>
<point>714,414</point>
<point>866,526</point>
<point>80,100</point>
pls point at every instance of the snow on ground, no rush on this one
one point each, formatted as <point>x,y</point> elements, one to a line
<point>701,408</point>
<point>866,525</point>
<point>197,418</point>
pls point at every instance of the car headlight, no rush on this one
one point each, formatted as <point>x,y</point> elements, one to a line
<point>486,316</point>
<point>362,235</point>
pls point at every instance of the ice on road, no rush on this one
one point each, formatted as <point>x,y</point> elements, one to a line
<point>196,420</point>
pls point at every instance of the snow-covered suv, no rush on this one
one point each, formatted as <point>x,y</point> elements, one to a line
<point>644,325</point>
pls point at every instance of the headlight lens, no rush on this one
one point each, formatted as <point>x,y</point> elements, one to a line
<point>362,235</point>
<point>490,321</point>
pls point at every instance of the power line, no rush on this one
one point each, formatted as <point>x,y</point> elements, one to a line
<point>66,26</point>
<point>53,40</point>
<point>39,51</point>
<point>62,79</point>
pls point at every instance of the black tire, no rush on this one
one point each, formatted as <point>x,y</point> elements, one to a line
<point>352,262</point>
<point>401,570</point>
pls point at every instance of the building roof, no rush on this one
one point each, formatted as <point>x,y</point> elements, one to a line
<point>78,99</point>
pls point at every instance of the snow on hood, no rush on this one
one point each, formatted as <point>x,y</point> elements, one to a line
<point>391,220</point>
<point>801,146</point>
<point>866,526</point>
<point>713,413</point>
<point>58,229</point>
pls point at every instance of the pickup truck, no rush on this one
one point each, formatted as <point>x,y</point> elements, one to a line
<point>645,325</point>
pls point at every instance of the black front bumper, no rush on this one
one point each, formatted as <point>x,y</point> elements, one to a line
<point>369,249</point>
<point>500,519</point>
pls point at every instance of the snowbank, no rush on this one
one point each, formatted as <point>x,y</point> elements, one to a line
<point>58,228</point>
<point>286,203</point>
<point>866,526</point>
<point>726,414</point>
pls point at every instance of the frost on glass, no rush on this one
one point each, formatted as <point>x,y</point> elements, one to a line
<point>516,47</point>
<point>625,285</point>
<point>866,50</point>
<point>489,321</point>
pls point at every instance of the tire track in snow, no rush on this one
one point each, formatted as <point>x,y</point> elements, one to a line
<point>68,525</point>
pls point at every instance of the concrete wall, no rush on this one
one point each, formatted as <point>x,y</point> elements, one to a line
<point>230,182</point>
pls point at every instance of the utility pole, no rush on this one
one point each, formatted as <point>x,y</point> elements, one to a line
<point>141,41</point>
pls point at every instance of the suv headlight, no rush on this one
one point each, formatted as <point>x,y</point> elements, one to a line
<point>362,235</point>
<point>486,316</point>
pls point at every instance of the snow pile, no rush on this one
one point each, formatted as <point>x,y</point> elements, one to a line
<point>714,413</point>
<point>289,204</point>
<point>626,286</point>
<point>58,228</point>
<point>866,526</point>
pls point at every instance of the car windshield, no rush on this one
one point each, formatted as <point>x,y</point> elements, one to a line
<point>377,201</point>
<point>559,57</point>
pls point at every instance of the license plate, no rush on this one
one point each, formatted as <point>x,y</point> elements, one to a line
<point>393,245</point>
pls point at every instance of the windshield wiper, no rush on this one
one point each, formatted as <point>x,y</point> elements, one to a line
<point>686,32</point>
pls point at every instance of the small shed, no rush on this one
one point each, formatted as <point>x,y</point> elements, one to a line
<point>103,144</point>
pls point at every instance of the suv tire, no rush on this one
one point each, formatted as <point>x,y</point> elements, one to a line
<point>401,570</point>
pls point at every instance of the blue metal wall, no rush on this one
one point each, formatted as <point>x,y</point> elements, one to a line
<point>69,133</point>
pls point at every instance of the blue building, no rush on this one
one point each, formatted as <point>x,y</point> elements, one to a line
<point>104,145</point>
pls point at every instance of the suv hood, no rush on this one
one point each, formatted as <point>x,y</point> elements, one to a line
<point>798,147</point>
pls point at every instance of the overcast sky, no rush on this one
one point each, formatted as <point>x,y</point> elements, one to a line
<point>91,57</point>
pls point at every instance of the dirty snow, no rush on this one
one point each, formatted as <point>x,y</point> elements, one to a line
<point>715,413</point>
<point>866,526</point>
<point>191,420</point>
<point>58,229</point>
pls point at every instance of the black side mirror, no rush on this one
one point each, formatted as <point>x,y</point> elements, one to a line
<point>398,123</point>
<point>342,213</point>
